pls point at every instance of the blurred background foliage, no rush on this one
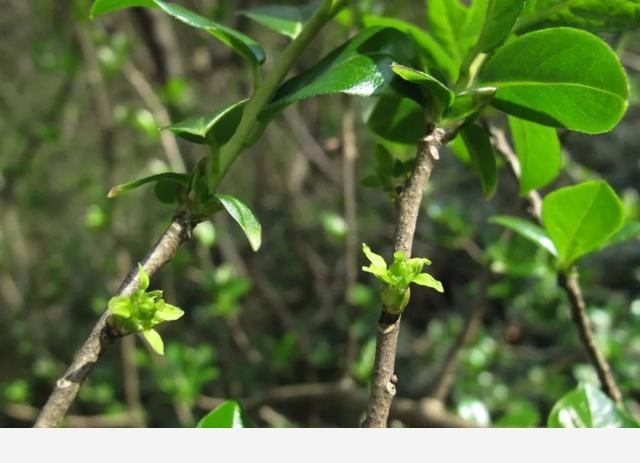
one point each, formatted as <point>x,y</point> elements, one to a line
<point>81,104</point>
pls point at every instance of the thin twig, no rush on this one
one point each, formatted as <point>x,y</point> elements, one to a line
<point>383,386</point>
<point>104,333</point>
<point>568,281</point>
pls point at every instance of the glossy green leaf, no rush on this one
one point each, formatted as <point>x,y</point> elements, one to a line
<point>588,407</point>
<point>219,125</point>
<point>482,156</point>
<point>107,6</point>
<point>581,218</point>
<point>167,312</point>
<point>245,218</point>
<point>629,231</point>
<point>284,19</point>
<point>143,277</point>
<point>560,77</point>
<point>538,150</point>
<point>468,103</point>
<point>500,17</point>
<point>397,119</point>
<point>121,306</point>
<point>180,179</point>
<point>362,66</point>
<point>154,340</point>
<point>445,21</point>
<point>439,95</point>
<point>240,43</point>
<point>438,59</point>
<point>528,230</point>
<point>378,266</point>
<point>229,414</point>
<point>592,15</point>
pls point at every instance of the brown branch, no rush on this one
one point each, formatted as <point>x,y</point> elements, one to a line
<point>104,333</point>
<point>568,281</point>
<point>383,386</point>
<point>345,397</point>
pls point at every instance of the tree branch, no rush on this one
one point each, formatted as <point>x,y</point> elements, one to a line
<point>383,386</point>
<point>568,281</point>
<point>104,333</point>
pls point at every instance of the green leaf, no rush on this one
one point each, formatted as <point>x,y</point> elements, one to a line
<point>217,126</point>
<point>397,119</point>
<point>378,265</point>
<point>180,179</point>
<point>526,229</point>
<point>439,94</point>
<point>588,407</point>
<point>238,42</point>
<point>284,19</point>
<point>438,59</point>
<point>629,231</point>
<point>538,150</point>
<point>120,306</point>
<point>446,19</point>
<point>592,15</point>
<point>501,16</point>
<point>560,77</point>
<point>424,279</point>
<point>227,415</point>
<point>580,218</point>
<point>245,218</point>
<point>154,340</point>
<point>362,66</point>
<point>143,277</point>
<point>482,157</point>
<point>468,103</point>
<point>166,312</point>
<point>107,6</point>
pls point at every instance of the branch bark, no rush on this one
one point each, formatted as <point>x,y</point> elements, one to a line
<point>383,385</point>
<point>569,282</point>
<point>104,333</point>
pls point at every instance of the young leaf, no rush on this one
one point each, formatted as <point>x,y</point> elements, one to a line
<point>362,66</point>
<point>538,150</point>
<point>227,415</point>
<point>120,306</point>
<point>588,407</point>
<point>377,261</point>
<point>424,279</point>
<point>560,77</point>
<point>527,230</point>
<point>468,103</point>
<point>166,312</point>
<point>238,42</point>
<point>439,94</point>
<point>218,125</point>
<point>284,19</point>
<point>245,218</point>
<point>154,340</point>
<point>438,60</point>
<point>143,277</point>
<point>397,119</point>
<point>482,156</point>
<point>580,218</point>
<point>501,16</point>
<point>180,179</point>
<point>591,15</point>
